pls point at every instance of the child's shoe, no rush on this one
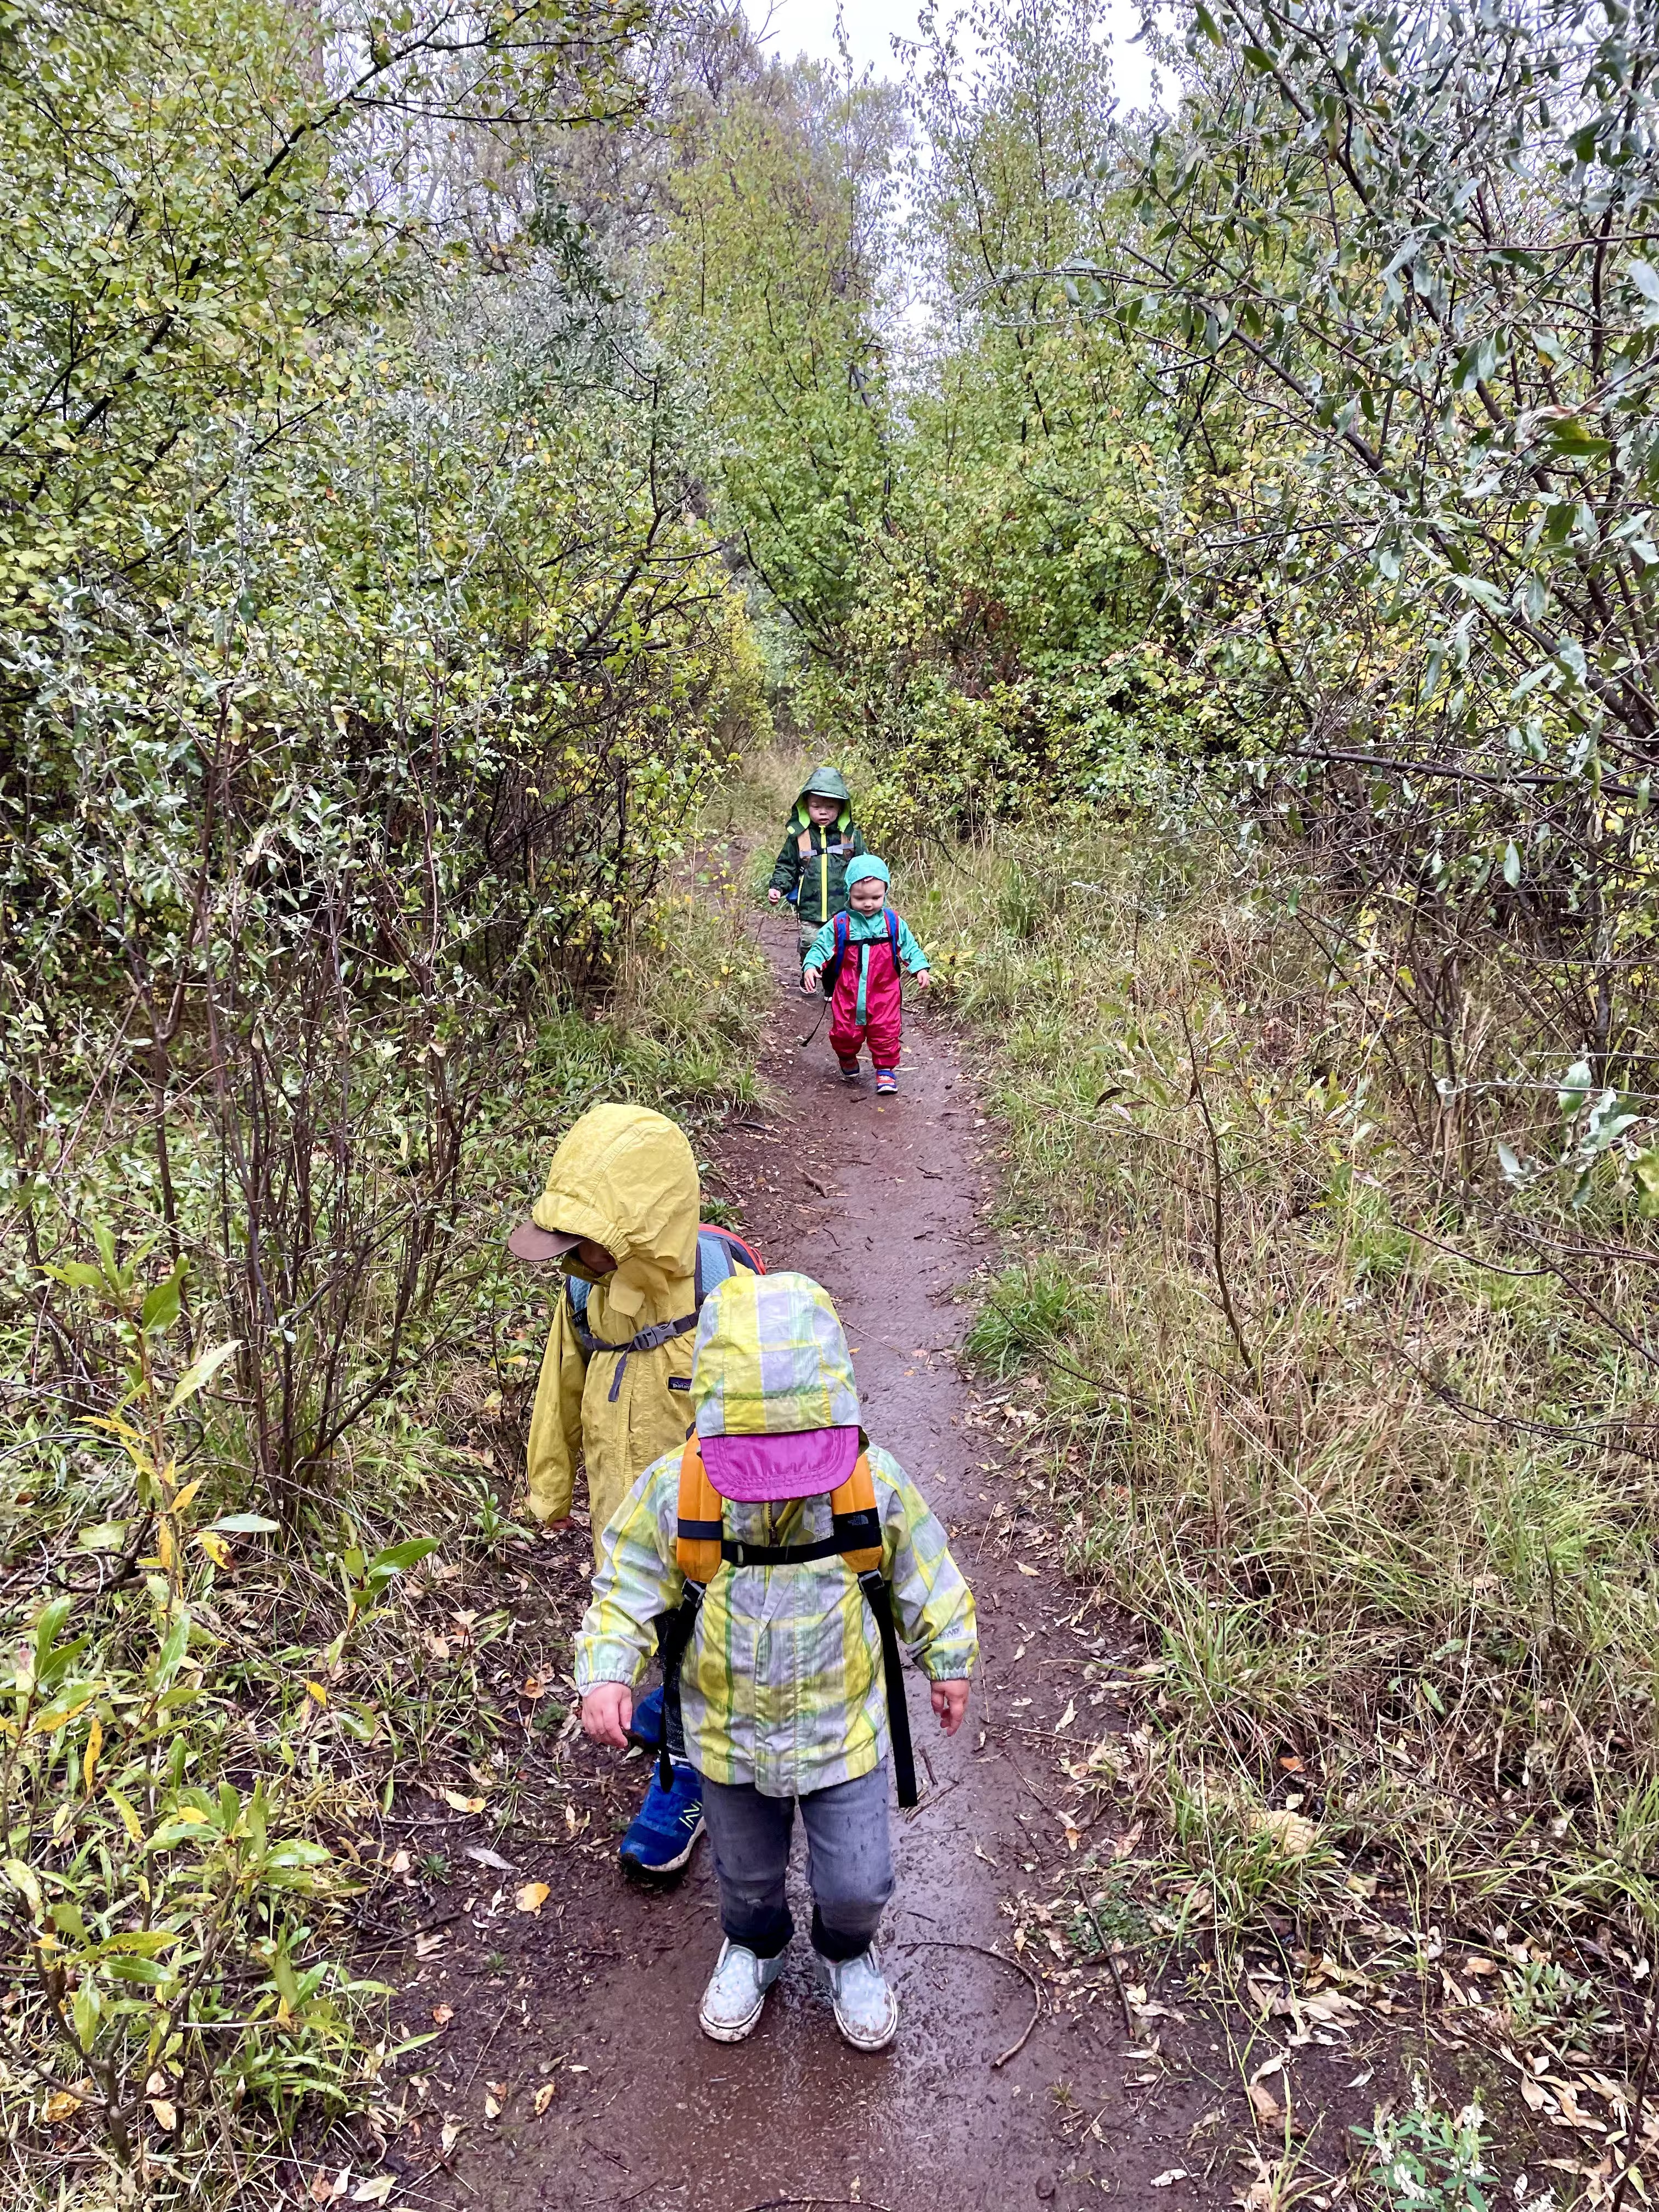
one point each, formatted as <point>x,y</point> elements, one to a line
<point>664,1832</point>
<point>849,1070</point>
<point>866,2011</point>
<point>886,1081</point>
<point>732,2004</point>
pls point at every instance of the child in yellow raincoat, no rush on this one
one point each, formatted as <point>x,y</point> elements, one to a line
<point>619,1213</point>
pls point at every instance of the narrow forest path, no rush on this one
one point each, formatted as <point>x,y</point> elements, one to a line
<point>882,1200</point>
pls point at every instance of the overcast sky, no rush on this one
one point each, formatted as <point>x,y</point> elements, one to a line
<point>809,26</point>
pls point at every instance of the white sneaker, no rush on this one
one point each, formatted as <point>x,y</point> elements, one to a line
<point>866,2011</point>
<point>731,2007</point>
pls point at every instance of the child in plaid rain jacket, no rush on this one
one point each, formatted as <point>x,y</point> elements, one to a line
<point>782,1684</point>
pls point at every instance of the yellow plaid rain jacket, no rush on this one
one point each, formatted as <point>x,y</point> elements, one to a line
<point>782,1684</point>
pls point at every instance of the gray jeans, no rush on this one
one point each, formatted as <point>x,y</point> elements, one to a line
<point>849,1862</point>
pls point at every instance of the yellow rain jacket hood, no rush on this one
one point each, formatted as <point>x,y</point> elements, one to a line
<point>625,1178</point>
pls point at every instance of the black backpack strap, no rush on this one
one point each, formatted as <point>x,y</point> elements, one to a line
<point>738,1554</point>
<point>660,1332</point>
<point>892,940</point>
<point>673,1643</point>
<point>879,1599</point>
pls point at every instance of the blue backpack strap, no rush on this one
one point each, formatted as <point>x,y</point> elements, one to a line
<point>575,1292</point>
<point>892,937</point>
<point>720,1255</point>
<point>832,965</point>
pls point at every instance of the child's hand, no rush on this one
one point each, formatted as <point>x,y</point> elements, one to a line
<point>809,978</point>
<point>923,979</point>
<point>608,1708</point>
<point>950,1703</point>
<point>773,894</point>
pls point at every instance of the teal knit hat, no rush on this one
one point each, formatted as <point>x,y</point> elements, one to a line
<point>866,865</point>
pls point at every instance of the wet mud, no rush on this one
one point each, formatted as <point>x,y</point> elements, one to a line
<point>589,2010</point>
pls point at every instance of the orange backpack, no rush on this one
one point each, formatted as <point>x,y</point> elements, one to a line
<point>702,1548</point>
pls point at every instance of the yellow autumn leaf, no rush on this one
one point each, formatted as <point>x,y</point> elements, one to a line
<point>164,2113</point>
<point>532,1897</point>
<point>164,1545</point>
<point>187,1494</point>
<point>61,2106</point>
<point>128,1818</point>
<point>457,1803</point>
<point>543,2099</point>
<point>317,1693</point>
<point>89,1756</point>
<point>215,1547</point>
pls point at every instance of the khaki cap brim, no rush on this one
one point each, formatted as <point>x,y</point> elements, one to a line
<point>537,1245</point>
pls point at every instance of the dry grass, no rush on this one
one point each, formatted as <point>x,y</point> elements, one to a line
<point>1379,1486</point>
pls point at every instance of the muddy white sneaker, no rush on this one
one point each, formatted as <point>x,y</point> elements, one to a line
<point>866,2011</point>
<point>731,2007</point>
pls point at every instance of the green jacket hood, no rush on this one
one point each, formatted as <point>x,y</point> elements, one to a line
<point>824,782</point>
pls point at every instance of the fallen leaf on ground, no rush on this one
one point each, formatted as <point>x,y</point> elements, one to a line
<point>60,2104</point>
<point>531,1897</point>
<point>450,2137</point>
<point>1025,1570</point>
<point>1068,1716</point>
<point>376,2191</point>
<point>534,1687</point>
<point>325,2187</point>
<point>1265,2105</point>
<point>164,2114</point>
<point>492,1859</point>
<point>425,1945</point>
<point>543,2098</point>
<point>1292,1834</point>
<point>457,1803</point>
<point>492,2105</point>
<point>443,2014</point>
<point>1168,2181</point>
<point>401,1862</point>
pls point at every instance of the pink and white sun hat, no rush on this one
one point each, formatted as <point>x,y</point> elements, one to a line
<point>772,1388</point>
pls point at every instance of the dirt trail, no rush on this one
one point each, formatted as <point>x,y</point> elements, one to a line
<point>881,1200</point>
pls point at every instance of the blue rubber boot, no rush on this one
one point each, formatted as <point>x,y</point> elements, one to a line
<point>664,1831</point>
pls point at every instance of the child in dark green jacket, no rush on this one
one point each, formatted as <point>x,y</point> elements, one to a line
<point>819,842</point>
